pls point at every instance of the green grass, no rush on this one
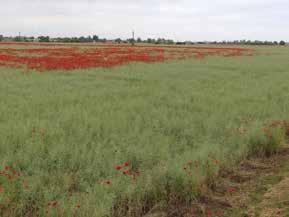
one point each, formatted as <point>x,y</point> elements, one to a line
<point>66,131</point>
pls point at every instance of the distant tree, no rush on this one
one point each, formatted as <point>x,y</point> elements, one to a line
<point>159,41</point>
<point>118,40</point>
<point>131,41</point>
<point>282,43</point>
<point>27,39</point>
<point>138,40</point>
<point>74,40</point>
<point>1,37</point>
<point>68,40</point>
<point>43,39</point>
<point>170,41</point>
<point>17,38</point>
<point>82,39</point>
<point>248,42</point>
<point>95,38</point>
<point>103,40</point>
<point>242,41</point>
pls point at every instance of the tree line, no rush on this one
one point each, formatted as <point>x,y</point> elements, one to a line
<point>95,38</point>
<point>82,39</point>
<point>256,42</point>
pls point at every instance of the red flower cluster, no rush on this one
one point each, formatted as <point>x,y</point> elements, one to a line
<point>127,171</point>
<point>69,57</point>
<point>9,178</point>
<point>9,173</point>
<point>124,165</point>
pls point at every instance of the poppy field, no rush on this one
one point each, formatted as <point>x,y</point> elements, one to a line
<point>132,131</point>
<point>69,57</point>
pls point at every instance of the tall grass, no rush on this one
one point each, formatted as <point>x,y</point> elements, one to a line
<point>175,123</point>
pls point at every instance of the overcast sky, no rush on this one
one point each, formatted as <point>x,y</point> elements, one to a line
<point>175,19</point>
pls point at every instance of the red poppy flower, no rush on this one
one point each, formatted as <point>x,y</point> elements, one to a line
<point>118,167</point>
<point>232,190</point>
<point>127,172</point>
<point>209,213</point>
<point>216,162</point>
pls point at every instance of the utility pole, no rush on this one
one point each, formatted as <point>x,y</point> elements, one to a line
<point>132,41</point>
<point>19,36</point>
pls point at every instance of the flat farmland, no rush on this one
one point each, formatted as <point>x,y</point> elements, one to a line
<point>106,130</point>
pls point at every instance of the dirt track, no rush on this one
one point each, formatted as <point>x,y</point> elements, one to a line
<point>264,188</point>
<point>258,187</point>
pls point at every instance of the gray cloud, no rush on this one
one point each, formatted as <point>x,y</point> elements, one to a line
<point>180,20</point>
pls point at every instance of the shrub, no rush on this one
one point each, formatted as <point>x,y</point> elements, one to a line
<point>43,38</point>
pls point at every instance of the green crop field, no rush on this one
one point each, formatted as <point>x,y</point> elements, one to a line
<point>102,142</point>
